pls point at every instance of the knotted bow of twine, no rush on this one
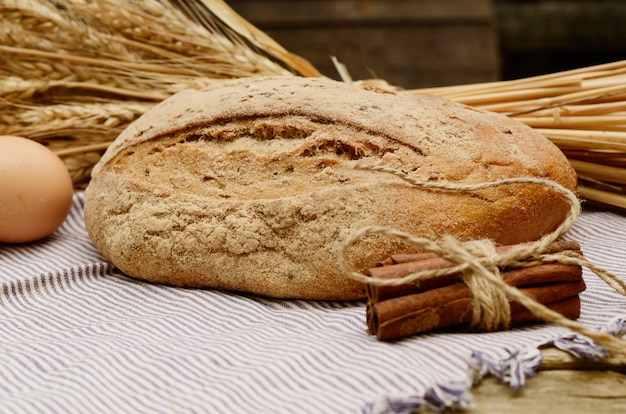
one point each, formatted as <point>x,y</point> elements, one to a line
<point>479,263</point>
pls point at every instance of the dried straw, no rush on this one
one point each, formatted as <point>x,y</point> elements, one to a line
<point>582,111</point>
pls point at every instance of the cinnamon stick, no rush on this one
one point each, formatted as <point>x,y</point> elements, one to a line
<point>405,264</point>
<point>568,307</point>
<point>545,274</point>
<point>451,305</point>
<point>555,247</point>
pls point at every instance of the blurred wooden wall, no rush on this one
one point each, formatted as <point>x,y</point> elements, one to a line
<point>545,36</point>
<point>423,43</point>
<point>409,43</point>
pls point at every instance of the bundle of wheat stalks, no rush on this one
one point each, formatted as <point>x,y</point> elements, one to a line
<point>74,73</point>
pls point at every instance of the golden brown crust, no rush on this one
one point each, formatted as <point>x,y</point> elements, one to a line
<point>249,186</point>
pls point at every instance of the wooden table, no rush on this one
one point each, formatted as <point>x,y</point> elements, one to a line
<point>564,385</point>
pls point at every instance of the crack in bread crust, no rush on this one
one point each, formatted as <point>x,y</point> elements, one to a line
<point>288,151</point>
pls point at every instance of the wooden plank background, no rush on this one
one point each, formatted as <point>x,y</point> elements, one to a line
<point>545,36</point>
<point>409,43</point>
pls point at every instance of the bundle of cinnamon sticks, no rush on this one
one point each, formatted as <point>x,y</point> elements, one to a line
<point>444,302</point>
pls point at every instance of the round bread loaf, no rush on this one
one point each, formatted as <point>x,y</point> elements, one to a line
<point>249,185</point>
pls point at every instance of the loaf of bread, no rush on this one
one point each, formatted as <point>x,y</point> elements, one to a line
<point>249,185</point>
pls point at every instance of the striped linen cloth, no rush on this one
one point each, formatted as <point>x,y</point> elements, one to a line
<point>77,336</point>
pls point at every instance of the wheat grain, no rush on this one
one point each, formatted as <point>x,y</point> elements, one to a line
<point>115,35</point>
<point>31,14</point>
<point>93,122</point>
<point>157,30</point>
<point>13,88</point>
<point>80,166</point>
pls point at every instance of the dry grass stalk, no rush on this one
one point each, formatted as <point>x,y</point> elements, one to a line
<point>80,166</point>
<point>610,199</point>
<point>582,111</point>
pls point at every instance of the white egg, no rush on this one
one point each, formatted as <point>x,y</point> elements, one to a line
<point>35,190</point>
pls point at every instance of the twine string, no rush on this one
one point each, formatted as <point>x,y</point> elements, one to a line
<point>479,263</point>
<point>490,306</point>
